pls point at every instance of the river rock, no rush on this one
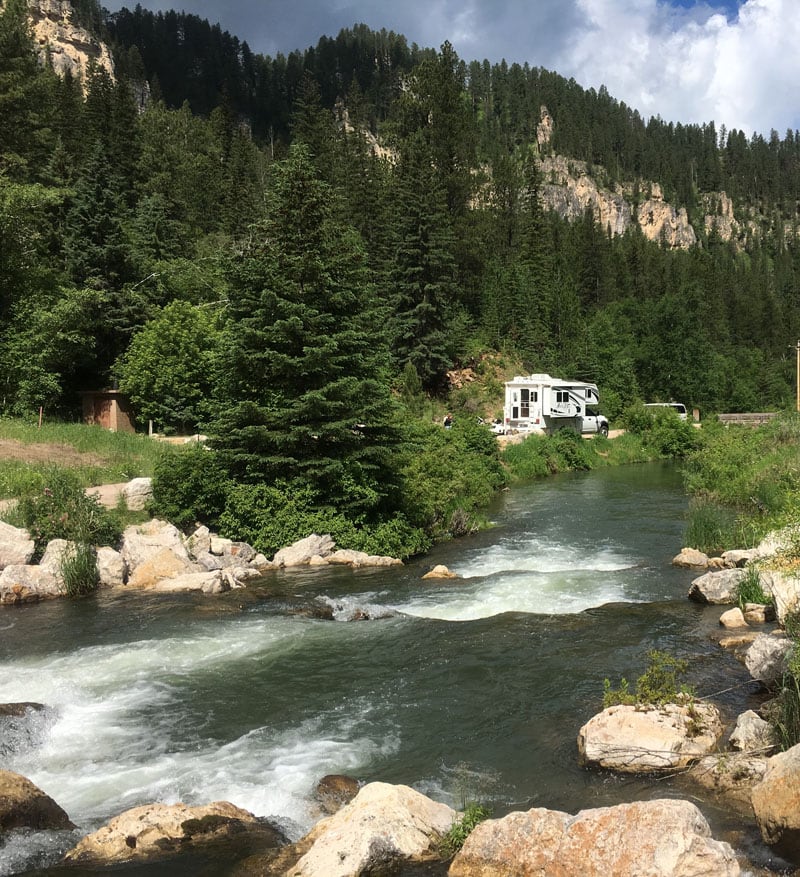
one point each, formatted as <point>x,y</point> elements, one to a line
<point>219,545</point>
<point>16,546</point>
<point>138,493</point>
<point>199,542</point>
<point>141,542</point>
<point>636,739</point>
<point>157,831</point>
<point>766,657</point>
<point>690,558</point>
<point>361,558</point>
<point>440,571</point>
<point>784,587</point>
<point>776,803</point>
<point>752,733</point>
<point>301,552</point>
<point>207,582</point>
<point>111,568</point>
<point>28,584</point>
<point>663,838</point>
<point>759,613</point>
<point>739,556</point>
<point>25,805</point>
<point>158,567</point>
<point>54,556</point>
<point>733,618</point>
<point>732,776</point>
<point>381,827</point>
<point>717,587</point>
<point>334,791</point>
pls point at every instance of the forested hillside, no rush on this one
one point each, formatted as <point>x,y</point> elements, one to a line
<point>192,227</point>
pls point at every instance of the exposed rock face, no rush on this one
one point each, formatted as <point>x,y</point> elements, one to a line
<point>156,831</point>
<point>644,739</point>
<point>381,827</point>
<point>666,838</point>
<point>718,587</point>
<point>25,805</point>
<point>16,545</point>
<point>776,803</point>
<point>72,48</point>
<point>766,657</point>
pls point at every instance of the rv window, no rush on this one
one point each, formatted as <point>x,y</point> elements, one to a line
<point>524,395</point>
<point>515,413</point>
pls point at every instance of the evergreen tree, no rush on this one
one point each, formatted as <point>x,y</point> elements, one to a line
<point>307,397</point>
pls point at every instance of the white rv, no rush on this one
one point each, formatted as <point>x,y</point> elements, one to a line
<point>540,403</point>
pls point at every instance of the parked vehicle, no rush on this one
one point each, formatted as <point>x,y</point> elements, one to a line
<point>594,422</point>
<point>543,404</point>
<point>678,407</point>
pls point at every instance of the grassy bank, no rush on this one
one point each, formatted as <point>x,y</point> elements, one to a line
<point>743,482</point>
<point>94,455</point>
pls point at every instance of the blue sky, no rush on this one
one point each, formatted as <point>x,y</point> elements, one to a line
<point>733,62</point>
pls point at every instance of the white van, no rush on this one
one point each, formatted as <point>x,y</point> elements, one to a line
<point>677,407</point>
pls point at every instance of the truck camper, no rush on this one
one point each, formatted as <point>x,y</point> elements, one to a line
<point>543,404</point>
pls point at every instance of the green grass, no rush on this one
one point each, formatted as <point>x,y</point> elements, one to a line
<point>93,454</point>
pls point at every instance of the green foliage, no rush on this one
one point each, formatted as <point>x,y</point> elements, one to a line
<point>749,589</point>
<point>460,830</point>
<point>711,527</point>
<point>657,686</point>
<point>62,510</point>
<point>79,570</point>
<point>169,369</point>
<point>662,431</point>
<point>785,713</point>
<point>190,487</point>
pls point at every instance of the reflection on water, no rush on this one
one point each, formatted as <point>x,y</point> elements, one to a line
<point>473,687</point>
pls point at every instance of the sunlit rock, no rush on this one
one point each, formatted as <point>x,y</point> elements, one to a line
<point>301,552</point>
<point>691,558</point>
<point>784,588</point>
<point>718,587</point>
<point>138,493</point>
<point>23,583</point>
<point>733,618</point>
<point>752,733</point>
<point>766,657</point>
<point>383,826</point>
<point>776,803</point>
<point>662,838</point>
<point>111,568</point>
<point>16,545</point>
<point>141,542</point>
<point>637,739</point>
<point>731,776</point>
<point>440,571</point>
<point>158,831</point>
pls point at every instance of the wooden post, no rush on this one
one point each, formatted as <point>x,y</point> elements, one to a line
<point>798,373</point>
<point>41,409</point>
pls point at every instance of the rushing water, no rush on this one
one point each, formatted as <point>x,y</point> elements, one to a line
<point>472,687</point>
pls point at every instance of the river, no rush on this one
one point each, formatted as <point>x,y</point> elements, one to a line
<point>470,688</point>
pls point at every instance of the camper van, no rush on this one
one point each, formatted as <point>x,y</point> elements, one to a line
<point>543,404</point>
<point>677,407</point>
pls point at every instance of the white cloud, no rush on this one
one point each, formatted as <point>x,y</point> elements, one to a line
<point>692,66</point>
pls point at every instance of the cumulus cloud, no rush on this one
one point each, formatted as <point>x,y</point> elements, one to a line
<point>732,62</point>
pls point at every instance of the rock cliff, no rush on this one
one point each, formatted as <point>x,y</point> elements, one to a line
<point>72,48</point>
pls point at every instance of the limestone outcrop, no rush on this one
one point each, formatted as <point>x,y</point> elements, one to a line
<point>383,826</point>
<point>158,831</point>
<point>634,739</point>
<point>666,838</point>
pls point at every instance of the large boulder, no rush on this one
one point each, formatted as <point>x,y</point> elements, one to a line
<point>164,564</point>
<point>302,551</point>
<point>207,582</point>
<point>349,557</point>
<point>141,542</point>
<point>157,831</point>
<point>665,838</point>
<point>776,803</point>
<point>112,570</point>
<point>383,826</point>
<point>784,587</point>
<point>690,558</point>
<point>16,546</point>
<point>636,739</point>
<point>138,493</point>
<point>25,805</point>
<point>718,587</point>
<point>752,733</point>
<point>57,551</point>
<point>28,584</point>
<point>766,658</point>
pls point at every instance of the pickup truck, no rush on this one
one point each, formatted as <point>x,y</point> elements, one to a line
<point>593,421</point>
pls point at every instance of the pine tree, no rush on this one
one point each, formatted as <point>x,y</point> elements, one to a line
<point>305,363</point>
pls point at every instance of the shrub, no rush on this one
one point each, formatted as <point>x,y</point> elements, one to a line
<point>749,589</point>
<point>452,842</point>
<point>658,685</point>
<point>79,570</point>
<point>711,527</point>
<point>190,487</point>
<point>62,510</point>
